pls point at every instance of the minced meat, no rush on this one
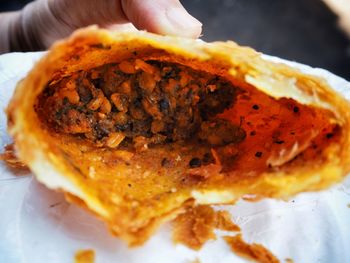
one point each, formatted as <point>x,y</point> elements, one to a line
<point>140,102</point>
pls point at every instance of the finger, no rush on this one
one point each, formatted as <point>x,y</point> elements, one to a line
<point>45,21</point>
<point>167,17</point>
<point>82,13</point>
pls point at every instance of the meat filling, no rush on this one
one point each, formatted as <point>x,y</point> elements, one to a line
<point>136,103</point>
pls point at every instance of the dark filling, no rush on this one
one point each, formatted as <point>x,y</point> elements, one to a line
<point>136,103</point>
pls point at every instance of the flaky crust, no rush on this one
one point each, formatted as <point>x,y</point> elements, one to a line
<point>91,47</point>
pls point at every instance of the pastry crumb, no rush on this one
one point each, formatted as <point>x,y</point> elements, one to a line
<point>85,256</point>
<point>10,158</point>
<point>254,252</point>
<point>196,260</point>
<point>289,260</point>
<point>224,222</point>
<point>196,226</point>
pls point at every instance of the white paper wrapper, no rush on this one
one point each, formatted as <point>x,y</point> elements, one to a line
<point>38,225</point>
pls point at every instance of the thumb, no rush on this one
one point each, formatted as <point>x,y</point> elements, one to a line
<point>167,17</point>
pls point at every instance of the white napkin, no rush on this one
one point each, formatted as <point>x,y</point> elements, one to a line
<point>37,225</point>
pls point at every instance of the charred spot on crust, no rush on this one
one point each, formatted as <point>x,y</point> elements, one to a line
<point>195,162</point>
<point>258,154</point>
<point>138,102</point>
<point>329,135</point>
<point>255,107</point>
<point>295,109</point>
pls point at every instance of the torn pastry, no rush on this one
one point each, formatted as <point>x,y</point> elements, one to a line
<point>137,127</point>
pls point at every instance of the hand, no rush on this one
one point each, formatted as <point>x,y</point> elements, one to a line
<point>42,22</point>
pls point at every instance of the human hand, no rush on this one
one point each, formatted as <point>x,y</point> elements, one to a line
<point>42,22</point>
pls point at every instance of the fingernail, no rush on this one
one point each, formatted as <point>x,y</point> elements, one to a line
<point>183,23</point>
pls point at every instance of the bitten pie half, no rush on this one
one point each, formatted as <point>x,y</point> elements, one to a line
<point>137,127</point>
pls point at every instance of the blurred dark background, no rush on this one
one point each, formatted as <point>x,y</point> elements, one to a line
<point>301,30</point>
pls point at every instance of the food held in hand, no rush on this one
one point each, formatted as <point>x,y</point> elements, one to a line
<point>137,128</point>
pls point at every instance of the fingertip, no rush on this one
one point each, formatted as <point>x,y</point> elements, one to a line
<point>165,17</point>
<point>180,22</point>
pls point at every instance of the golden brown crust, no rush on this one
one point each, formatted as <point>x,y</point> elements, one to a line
<point>74,166</point>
